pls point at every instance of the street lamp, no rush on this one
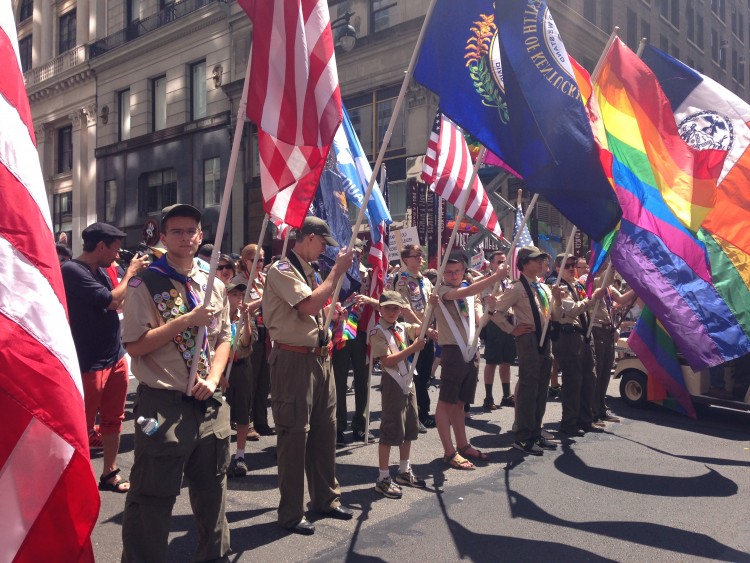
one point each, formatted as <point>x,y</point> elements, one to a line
<point>347,37</point>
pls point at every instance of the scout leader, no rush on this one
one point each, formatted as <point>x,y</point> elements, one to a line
<point>457,315</point>
<point>303,393</point>
<point>415,289</point>
<point>165,306</point>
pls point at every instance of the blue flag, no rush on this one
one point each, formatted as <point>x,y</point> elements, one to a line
<point>460,62</point>
<point>355,171</point>
<point>555,149</point>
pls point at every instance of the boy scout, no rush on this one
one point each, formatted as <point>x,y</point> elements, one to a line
<point>415,289</point>
<point>530,300</point>
<point>166,303</point>
<point>303,394</point>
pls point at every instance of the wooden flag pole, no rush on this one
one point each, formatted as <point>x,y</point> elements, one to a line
<point>568,252</point>
<point>225,197</point>
<point>598,302</point>
<point>286,244</point>
<point>461,212</point>
<point>381,154</point>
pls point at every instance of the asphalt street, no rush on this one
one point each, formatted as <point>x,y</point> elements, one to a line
<point>655,487</point>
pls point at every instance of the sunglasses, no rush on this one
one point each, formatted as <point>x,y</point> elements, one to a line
<point>224,267</point>
<point>570,266</point>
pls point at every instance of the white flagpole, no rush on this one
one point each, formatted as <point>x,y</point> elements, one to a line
<point>381,154</point>
<point>457,222</point>
<point>286,243</point>
<point>598,302</point>
<point>226,196</point>
<point>568,252</point>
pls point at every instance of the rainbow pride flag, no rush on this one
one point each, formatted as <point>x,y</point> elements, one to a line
<point>665,189</point>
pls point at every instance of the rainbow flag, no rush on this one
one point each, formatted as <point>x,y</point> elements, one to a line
<point>656,350</point>
<point>666,189</point>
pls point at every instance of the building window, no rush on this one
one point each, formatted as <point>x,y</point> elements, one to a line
<point>124,112</point>
<point>159,103</point>
<point>381,14</point>
<point>198,90</point>
<point>132,11</point>
<point>664,9</point>
<point>370,114</point>
<point>714,45</point>
<point>67,32</point>
<point>63,213</point>
<point>719,8</point>
<point>674,13</point>
<point>26,10</point>
<point>110,200</point>
<point>645,30</point>
<point>157,191</point>
<point>65,149</point>
<point>589,10</point>
<point>211,181</point>
<point>664,44</point>
<point>632,29</point>
<point>607,20</point>
<point>24,51</point>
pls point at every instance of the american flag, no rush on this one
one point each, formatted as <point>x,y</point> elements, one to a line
<point>379,260</point>
<point>282,229</point>
<point>294,99</point>
<point>523,240</point>
<point>48,493</point>
<point>447,170</point>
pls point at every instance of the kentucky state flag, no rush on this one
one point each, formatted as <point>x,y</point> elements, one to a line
<point>555,149</point>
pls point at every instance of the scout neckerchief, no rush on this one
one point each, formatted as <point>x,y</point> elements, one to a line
<point>544,302</point>
<point>171,306</point>
<point>420,282</point>
<point>579,292</point>
<point>465,308</point>
<point>396,343</point>
<point>313,283</point>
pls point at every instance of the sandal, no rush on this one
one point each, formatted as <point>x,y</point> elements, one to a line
<point>457,462</point>
<point>479,455</point>
<point>116,487</point>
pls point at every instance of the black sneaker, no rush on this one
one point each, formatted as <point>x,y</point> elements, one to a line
<point>554,391</point>
<point>528,447</point>
<point>408,479</point>
<point>340,439</point>
<point>545,444</point>
<point>489,405</point>
<point>388,488</point>
<point>429,422</point>
<point>359,435</point>
<point>508,401</point>
<point>237,467</point>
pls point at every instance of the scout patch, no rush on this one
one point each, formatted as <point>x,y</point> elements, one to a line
<point>401,283</point>
<point>412,286</point>
<point>283,266</point>
<point>135,282</point>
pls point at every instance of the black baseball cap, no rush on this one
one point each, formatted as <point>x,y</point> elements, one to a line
<point>179,210</point>
<point>101,231</point>
<point>458,256</point>
<point>316,226</point>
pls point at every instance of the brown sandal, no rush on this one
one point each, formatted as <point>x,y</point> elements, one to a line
<point>466,452</point>
<point>456,461</point>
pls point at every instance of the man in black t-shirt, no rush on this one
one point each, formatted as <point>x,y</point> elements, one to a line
<point>92,308</point>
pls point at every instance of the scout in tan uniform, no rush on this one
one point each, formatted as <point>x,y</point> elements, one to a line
<point>574,350</point>
<point>416,289</point>
<point>530,300</point>
<point>166,303</point>
<point>303,393</point>
<point>457,313</point>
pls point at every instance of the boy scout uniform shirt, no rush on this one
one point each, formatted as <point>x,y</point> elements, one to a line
<point>517,298</point>
<point>165,367</point>
<point>407,285</point>
<point>379,344</point>
<point>505,285</point>
<point>445,335</point>
<point>567,311</point>
<point>285,287</point>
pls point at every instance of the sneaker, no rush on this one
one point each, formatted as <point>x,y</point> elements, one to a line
<point>545,444</point>
<point>489,405</point>
<point>410,480</point>
<point>388,488</point>
<point>252,435</point>
<point>554,391</point>
<point>360,436</point>
<point>609,418</point>
<point>340,439</point>
<point>237,467</point>
<point>429,422</point>
<point>528,447</point>
<point>421,428</point>
<point>547,435</point>
<point>598,424</point>
<point>508,401</point>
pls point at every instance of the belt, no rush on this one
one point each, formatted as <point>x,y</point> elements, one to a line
<point>322,351</point>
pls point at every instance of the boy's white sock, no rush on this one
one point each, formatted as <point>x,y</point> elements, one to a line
<point>403,466</point>
<point>240,453</point>
<point>383,473</point>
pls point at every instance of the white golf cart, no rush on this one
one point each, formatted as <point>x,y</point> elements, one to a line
<point>633,378</point>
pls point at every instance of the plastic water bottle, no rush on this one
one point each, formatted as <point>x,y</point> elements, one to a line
<point>148,425</point>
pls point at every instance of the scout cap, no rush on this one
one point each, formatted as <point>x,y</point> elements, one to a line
<point>316,226</point>
<point>391,298</point>
<point>458,256</point>
<point>560,258</point>
<point>101,231</point>
<point>179,210</point>
<point>237,282</point>
<point>529,253</point>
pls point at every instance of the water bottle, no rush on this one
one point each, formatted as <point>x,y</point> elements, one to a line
<point>148,425</point>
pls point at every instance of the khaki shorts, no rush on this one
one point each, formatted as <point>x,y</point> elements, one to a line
<point>399,421</point>
<point>458,378</point>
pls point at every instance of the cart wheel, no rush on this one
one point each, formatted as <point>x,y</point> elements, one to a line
<point>633,388</point>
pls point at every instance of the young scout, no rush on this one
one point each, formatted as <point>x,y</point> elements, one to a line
<point>398,420</point>
<point>165,306</point>
<point>457,314</point>
<point>303,393</point>
<point>530,300</point>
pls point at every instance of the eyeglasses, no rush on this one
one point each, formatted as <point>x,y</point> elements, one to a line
<point>224,267</point>
<point>570,266</point>
<point>182,232</point>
